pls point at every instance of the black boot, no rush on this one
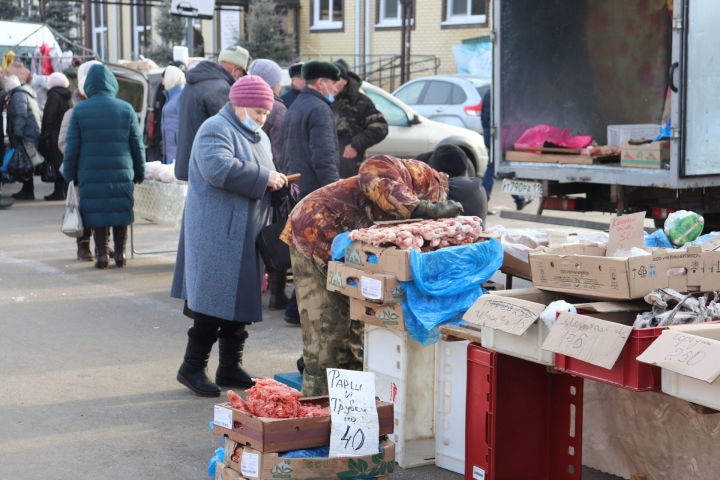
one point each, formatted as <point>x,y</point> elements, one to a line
<point>192,372</point>
<point>100,235</point>
<point>27,192</point>
<point>120,237</point>
<point>230,373</point>
<point>276,285</point>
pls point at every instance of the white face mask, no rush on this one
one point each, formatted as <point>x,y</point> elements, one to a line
<point>250,124</point>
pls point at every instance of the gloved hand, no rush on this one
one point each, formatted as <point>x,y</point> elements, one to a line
<point>428,209</point>
<point>138,179</point>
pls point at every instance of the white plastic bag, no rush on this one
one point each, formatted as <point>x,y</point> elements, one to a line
<point>72,225</point>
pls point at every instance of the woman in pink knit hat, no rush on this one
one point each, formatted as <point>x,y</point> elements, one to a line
<point>218,270</point>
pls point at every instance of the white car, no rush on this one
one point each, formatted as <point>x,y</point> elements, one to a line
<point>411,134</point>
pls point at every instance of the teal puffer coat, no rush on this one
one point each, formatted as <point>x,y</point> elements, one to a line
<point>104,152</point>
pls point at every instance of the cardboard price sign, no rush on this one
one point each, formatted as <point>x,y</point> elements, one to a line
<point>626,232</point>
<point>588,339</point>
<point>355,430</point>
<point>692,355</point>
<point>508,314</point>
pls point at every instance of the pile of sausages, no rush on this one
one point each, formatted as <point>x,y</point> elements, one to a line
<point>425,236</point>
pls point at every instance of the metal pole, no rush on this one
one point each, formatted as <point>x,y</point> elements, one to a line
<point>88,24</point>
<point>190,37</point>
<point>145,24</point>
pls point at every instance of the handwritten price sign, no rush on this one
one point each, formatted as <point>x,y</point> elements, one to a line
<point>625,233</point>
<point>508,314</point>
<point>685,353</point>
<point>588,339</point>
<point>355,430</point>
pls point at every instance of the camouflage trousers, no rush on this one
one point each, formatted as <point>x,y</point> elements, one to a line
<point>330,338</point>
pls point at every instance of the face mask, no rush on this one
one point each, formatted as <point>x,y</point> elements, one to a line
<point>250,124</point>
<point>329,96</point>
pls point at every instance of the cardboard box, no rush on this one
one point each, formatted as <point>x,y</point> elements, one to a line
<point>690,359</point>
<point>509,324</point>
<point>285,434</point>
<point>256,465</point>
<point>516,156</point>
<point>515,267</point>
<point>388,315</point>
<point>224,472</point>
<point>372,259</point>
<point>355,283</point>
<point>649,155</point>
<point>583,269</point>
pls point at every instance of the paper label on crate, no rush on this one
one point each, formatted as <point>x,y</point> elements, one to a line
<point>508,314</point>
<point>478,473</point>
<point>684,353</point>
<point>588,339</point>
<point>371,288</point>
<point>250,465</point>
<point>626,232</point>
<point>355,429</point>
<point>223,417</point>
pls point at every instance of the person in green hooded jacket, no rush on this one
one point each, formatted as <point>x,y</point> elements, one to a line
<point>104,155</point>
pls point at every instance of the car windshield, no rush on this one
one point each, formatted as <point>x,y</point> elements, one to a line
<point>393,114</point>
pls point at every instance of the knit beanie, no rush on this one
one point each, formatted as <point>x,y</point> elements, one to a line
<point>11,83</point>
<point>235,55</point>
<point>251,91</point>
<point>57,79</point>
<point>82,74</point>
<point>172,77</point>
<point>449,159</point>
<point>267,70</point>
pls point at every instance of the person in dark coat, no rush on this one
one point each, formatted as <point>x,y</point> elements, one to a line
<point>23,116</point>
<point>104,155</point>
<point>297,83</point>
<point>219,271</point>
<point>173,83</point>
<point>359,124</point>
<point>4,203</point>
<point>58,102</point>
<point>309,137</point>
<point>206,91</point>
<point>469,191</point>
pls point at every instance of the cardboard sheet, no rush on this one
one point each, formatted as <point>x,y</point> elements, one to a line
<point>511,315</point>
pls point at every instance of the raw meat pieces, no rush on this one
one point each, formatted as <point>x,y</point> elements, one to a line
<point>272,399</point>
<point>425,236</point>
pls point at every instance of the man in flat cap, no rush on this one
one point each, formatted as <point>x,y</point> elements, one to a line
<point>297,83</point>
<point>310,145</point>
<point>206,92</point>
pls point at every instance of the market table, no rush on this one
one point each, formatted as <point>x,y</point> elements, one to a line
<point>636,435</point>
<point>158,202</point>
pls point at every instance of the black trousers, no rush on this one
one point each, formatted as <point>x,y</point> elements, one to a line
<point>211,328</point>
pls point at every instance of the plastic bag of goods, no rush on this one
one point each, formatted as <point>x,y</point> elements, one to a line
<point>683,226</point>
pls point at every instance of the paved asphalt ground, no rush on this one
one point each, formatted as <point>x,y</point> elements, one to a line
<point>88,358</point>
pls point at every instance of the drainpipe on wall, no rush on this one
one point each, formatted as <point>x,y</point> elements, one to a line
<point>368,27</point>
<point>358,26</point>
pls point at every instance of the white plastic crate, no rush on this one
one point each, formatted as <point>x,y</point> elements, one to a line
<point>525,346</point>
<point>161,203</point>
<point>691,389</point>
<point>618,134</point>
<point>450,403</point>
<point>405,375</point>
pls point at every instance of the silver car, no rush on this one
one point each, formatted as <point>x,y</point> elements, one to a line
<point>452,99</point>
<point>411,133</point>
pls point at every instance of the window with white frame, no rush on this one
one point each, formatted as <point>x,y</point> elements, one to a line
<point>389,13</point>
<point>141,27</point>
<point>100,30</point>
<point>327,14</point>
<point>459,12</point>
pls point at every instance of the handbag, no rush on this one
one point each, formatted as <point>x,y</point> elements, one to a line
<point>47,172</point>
<point>274,252</point>
<point>20,167</point>
<point>72,225</point>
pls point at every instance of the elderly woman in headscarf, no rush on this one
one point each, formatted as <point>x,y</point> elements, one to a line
<point>218,271</point>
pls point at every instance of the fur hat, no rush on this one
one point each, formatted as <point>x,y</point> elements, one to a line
<point>320,69</point>
<point>295,70</point>
<point>267,70</point>
<point>252,91</point>
<point>11,83</point>
<point>449,159</point>
<point>235,55</point>
<point>57,79</point>
<point>172,77</point>
<point>82,74</point>
<point>343,67</point>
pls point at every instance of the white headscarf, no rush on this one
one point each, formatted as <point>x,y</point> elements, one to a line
<point>173,77</point>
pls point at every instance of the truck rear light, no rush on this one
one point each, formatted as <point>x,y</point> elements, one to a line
<point>474,110</point>
<point>661,213</point>
<point>560,204</point>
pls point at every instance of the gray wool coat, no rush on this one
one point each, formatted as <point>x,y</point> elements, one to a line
<point>218,269</point>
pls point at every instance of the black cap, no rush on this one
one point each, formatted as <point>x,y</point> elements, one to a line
<point>449,159</point>
<point>295,70</point>
<point>320,69</point>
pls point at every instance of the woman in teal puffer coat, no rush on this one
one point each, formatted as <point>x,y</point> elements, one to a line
<point>104,154</point>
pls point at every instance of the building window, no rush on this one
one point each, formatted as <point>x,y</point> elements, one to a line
<point>463,12</point>
<point>389,13</point>
<point>142,25</point>
<point>100,30</point>
<point>327,14</point>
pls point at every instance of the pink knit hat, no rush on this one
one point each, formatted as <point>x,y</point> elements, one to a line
<point>251,91</point>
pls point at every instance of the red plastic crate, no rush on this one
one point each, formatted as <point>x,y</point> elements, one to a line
<point>627,372</point>
<point>522,422</point>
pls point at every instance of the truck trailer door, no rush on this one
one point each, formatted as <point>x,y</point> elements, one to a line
<point>697,103</point>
